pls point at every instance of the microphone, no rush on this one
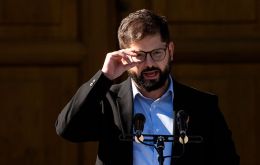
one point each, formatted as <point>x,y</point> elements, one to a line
<point>182,122</point>
<point>139,121</point>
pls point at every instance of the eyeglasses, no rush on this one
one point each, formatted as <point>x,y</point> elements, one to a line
<point>156,54</point>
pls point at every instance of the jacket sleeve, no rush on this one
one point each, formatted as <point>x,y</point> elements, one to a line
<point>82,118</point>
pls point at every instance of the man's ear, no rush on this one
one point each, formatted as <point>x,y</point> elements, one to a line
<point>171,49</point>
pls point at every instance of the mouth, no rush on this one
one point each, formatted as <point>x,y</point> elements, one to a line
<point>151,75</point>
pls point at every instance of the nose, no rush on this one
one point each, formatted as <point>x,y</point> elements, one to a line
<point>149,60</point>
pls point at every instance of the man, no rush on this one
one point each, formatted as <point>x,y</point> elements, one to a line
<point>103,111</point>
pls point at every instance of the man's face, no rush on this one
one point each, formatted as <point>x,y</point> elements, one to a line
<point>150,74</point>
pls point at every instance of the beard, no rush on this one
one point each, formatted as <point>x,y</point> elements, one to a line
<point>151,85</point>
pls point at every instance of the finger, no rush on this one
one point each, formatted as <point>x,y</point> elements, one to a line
<point>127,58</point>
<point>126,61</point>
<point>129,52</point>
<point>124,55</point>
<point>116,54</point>
<point>130,65</point>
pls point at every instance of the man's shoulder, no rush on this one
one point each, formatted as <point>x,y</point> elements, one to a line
<point>194,100</point>
<point>189,91</point>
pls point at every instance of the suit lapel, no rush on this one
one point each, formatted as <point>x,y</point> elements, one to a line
<point>178,105</point>
<point>125,102</point>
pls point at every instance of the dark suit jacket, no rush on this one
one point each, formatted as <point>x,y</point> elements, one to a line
<point>100,111</point>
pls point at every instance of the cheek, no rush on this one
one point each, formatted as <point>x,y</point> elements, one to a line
<point>164,65</point>
<point>133,69</point>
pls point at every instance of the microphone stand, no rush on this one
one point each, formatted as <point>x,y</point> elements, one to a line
<point>159,141</point>
<point>160,148</point>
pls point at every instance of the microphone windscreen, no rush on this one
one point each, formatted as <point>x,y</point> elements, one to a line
<point>139,121</point>
<point>182,115</point>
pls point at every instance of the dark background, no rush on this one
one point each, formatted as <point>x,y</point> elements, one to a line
<point>48,48</point>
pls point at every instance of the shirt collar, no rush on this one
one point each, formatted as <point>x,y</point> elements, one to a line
<point>137,92</point>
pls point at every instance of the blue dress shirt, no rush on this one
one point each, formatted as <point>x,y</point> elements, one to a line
<point>159,115</point>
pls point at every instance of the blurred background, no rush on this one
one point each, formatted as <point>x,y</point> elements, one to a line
<point>48,48</point>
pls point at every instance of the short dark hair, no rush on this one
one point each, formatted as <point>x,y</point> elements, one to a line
<point>140,24</point>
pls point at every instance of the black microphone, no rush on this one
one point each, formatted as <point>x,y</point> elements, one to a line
<point>182,122</point>
<point>139,121</point>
